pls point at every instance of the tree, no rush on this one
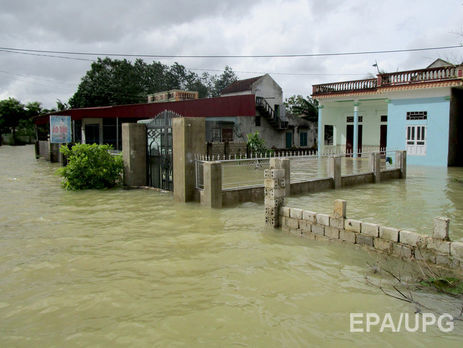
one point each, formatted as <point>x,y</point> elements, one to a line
<point>115,82</point>
<point>11,113</point>
<point>224,80</point>
<point>298,105</point>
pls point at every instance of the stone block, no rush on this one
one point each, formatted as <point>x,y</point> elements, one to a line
<point>383,245</point>
<point>337,222</point>
<point>402,250</point>
<point>277,173</point>
<point>439,246</point>
<point>425,255</point>
<point>443,260</point>
<point>292,223</point>
<point>320,237</point>
<point>318,229</point>
<point>441,228</point>
<point>272,193</point>
<point>363,239</point>
<point>308,235</point>
<point>305,226</point>
<point>275,202</point>
<point>411,238</point>
<point>456,250</point>
<point>339,210</point>
<point>370,229</point>
<point>285,211</point>
<point>323,219</point>
<point>332,232</point>
<point>389,233</point>
<point>352,225</point>
<point>309,216</point>
<point>347,236</point>
<point>295,232</point>
<point>271,184</point>
<point>296,213</point>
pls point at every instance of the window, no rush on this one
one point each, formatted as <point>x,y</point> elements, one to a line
<point>257,120</point>
<point>350,119</point>
<point>303,139</point>
<point>328,135</point>
<point>417,115</point>
<point>416,140</point>
<point>216,134</point>
<point>383,118</point>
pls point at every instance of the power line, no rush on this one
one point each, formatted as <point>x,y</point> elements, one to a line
<point>193,69</point>
<point>231,56</point>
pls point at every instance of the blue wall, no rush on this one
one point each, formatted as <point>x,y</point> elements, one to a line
<point>437,138</point>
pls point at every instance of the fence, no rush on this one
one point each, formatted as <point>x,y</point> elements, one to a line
<point>241,171</point>
<point>240,180</point>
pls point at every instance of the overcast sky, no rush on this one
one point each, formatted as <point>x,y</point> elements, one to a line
<point>237,27</point>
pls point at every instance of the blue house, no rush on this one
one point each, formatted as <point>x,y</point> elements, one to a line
<point>420,111</point>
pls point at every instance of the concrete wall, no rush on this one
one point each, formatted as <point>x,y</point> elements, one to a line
<point>435,249</point>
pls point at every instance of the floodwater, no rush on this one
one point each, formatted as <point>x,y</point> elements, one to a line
<point>134,268</point>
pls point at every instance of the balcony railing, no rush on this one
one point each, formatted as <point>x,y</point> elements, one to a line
<point>346,86</point>
<point>417,76</point>
<point>391,79</point>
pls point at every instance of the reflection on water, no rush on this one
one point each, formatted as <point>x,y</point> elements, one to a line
<point>135,268</point>
<point>407,204</point>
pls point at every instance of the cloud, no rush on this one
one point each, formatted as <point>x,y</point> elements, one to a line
<point>220,27</point>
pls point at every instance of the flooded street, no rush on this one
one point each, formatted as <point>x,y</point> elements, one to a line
<point>135,268</point>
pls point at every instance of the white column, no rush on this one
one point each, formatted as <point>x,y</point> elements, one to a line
<point>320,130</point>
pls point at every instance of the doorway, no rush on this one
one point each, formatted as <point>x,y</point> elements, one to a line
<point>383,137</point>
<point>350,139</point>
<point>92,133</point>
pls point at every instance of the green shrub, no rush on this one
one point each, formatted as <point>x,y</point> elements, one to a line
<point>256,143</point>
<point>90,167</point>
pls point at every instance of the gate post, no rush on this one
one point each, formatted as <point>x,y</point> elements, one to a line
<point>334,167</point>
<point>283,163</point>
<point>134,153</point>
<point>189,139</point>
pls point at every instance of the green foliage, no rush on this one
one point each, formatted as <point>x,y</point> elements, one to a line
<point>17,117</point>
<point>116,82</point>
<point>90,167</point>
<point>447,285</point>
<point>298,105</point>
<point>256,143</point>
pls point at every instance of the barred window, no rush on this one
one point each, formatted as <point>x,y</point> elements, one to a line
<point>417,115</point>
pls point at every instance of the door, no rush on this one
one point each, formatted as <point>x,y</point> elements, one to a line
<point>92,133</point>
<point>416,140</point>
<point>350,138</point>
<point>383,137</point>
<point>289,140</point>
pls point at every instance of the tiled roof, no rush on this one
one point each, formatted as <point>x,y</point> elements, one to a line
<point>241,85</point>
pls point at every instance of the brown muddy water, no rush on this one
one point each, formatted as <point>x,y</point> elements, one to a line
<point>120,268</point>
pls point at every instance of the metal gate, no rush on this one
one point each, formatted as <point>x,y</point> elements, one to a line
<point>159,150</point>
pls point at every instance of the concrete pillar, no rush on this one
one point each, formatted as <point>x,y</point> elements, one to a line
<point>441,228</point>
<point>189,139</point>
<point>212,194</point>
<point>53,151</point>
<point>335,170</point>
<point>403,164</point>
<point>340,209</point>
<point>375,165</point>
<point>134,149</point>
<point>320,130</point>
<point>274,191</point>
<point>283,163</point>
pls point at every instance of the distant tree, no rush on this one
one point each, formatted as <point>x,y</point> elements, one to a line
<point>304,107</point>
<point>115,82</point>
<point>224,80</point>
<point>11,113</point>
<point>61,106</point>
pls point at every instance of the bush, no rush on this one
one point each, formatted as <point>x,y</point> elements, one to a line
<point>255,143</point>
<point>90,167</point>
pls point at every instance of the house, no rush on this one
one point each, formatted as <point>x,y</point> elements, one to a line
<point>420,111</point>
<point>278,130</point>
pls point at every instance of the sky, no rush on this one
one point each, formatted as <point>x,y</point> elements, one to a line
<point>213,27</point>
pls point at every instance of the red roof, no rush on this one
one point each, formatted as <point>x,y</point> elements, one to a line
<point>240,105</point>
<point>241,85</point>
